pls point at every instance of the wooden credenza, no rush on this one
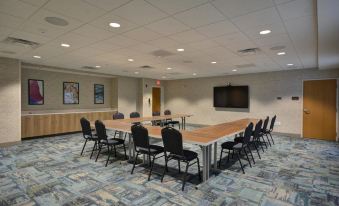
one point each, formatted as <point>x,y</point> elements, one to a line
<point>34,125</point>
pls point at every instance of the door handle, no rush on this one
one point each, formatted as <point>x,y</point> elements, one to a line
<point>307,111</point>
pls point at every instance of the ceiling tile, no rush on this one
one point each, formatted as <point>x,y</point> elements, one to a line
<point>187,37</point>
<point>199,16</point>
<point>140,12</point>
<point>276,29</point>
<point>104,45</point>
<point>93,32</point>
<point>167,26</point>
<point>17,8</point>
<point>174,6</point>
<point>76,9</point>
<point>234,8</point>
<point>4,32</point>
<point>217,29</point>
<point>107,5</point>
<point>235,41</point>
<point>104,21</point>
<point>262,17</point>
<point>142,34</point>
<point>38,3</point>
<point>296,9</point>
<point>205,44</point>
<point>279,39</point>
<point>121,41</point>
<point>164,42</point>
<point>10,21</point>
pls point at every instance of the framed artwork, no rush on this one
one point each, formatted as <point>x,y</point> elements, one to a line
<point>99,94</point>
<point>71,92</point>
<point>35,92</point>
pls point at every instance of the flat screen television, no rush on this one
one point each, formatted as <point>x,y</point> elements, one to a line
<point>231,97</point>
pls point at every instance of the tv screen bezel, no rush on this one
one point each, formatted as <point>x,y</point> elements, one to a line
<point>226,106</point>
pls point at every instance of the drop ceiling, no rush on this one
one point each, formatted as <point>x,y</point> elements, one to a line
<point>208,31</point>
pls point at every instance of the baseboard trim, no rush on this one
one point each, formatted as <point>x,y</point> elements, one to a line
<point>51,135</point>
<point>8,144</point>
<point>287,134</point>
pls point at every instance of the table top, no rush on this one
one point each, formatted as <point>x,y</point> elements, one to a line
<point>202,136</point>
<point>153,118</point>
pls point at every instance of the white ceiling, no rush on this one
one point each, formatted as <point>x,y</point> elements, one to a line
<point>207,30</point>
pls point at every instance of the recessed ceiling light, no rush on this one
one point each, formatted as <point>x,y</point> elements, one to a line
<point>136,72</point>
<point>114,25</point>
<point>37,57</point>
<point>180,50</point>
<point>97,66</point>
<point>194,74</point>
<point>213,62</point>
<point>234,70</point>
<point>65,45</point>
<point>169,68</point>
<point>290,65</point>
<point>265,32</point>
<point>130,60</point>
<point>281,53</point>
<point>164,77</point>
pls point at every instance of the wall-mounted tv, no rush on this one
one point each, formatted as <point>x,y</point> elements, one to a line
<point>231,97</point>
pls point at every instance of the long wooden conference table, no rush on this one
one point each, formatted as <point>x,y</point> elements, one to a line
<point>205,137</point>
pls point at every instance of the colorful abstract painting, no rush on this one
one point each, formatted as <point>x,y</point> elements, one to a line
<point>35,92</point>
<point>99,94</point>
<point>71,92</point>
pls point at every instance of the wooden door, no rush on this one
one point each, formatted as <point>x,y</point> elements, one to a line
<point>156,99</point>
<point>319,109</point>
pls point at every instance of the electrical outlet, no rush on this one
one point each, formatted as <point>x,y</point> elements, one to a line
<point>277,123</point>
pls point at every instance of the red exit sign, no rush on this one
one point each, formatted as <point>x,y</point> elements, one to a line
<point>158,82</point>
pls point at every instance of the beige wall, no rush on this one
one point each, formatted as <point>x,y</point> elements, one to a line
<point>195,96</point>
<point>127,95</point>
<point>10,95</point>
<point>53,84</point>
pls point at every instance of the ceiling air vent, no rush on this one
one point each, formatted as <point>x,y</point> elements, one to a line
<point>275,48</point>
<point>241,66</point>
<point>187,62</point>
<point>21,42</point>
<point>161,53</point>
<point>89,67</point>
<point>146,67</point>
<point>249,51</point>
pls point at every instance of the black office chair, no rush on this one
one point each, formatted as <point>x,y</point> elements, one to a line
<point>134,115</point>
<point>87,134</point>
<point>172,140</point>
<point>156,122</point>
<point>238,147</point>
<point>104,141</point>
<point>142,146</point>
<point>116,116</point>
<point>264,128</point>
<point>170,122</point>
<point>269,131</point>
<point>255,138</point>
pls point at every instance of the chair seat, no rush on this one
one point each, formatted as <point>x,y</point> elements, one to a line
<point>154,150</point>
<point>228,145</point>
<point>188,155</point>
<point>113,141</point>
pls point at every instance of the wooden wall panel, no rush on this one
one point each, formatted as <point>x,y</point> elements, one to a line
<point>48,124</point>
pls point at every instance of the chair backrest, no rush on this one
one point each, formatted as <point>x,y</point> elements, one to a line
<point>140,136</point>
<point>86,127</point>
<point>155,113</point>
<point>257,129</point>
<point>172,140</point>
<point>100,129</point>
<point>118,115</point>
<point>248,133</point>
<point>167,112</point>
<point>134,115</point>
<point>264,127</point>
<point>272,122</point>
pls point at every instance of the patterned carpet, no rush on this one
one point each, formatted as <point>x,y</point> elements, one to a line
<point>50,171</point>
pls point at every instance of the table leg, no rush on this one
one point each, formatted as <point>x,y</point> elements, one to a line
<point>182,123</point>
<point>209,157</point>
<point>215,155</point>
<point>130,147</point>
<point>205,162</point>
